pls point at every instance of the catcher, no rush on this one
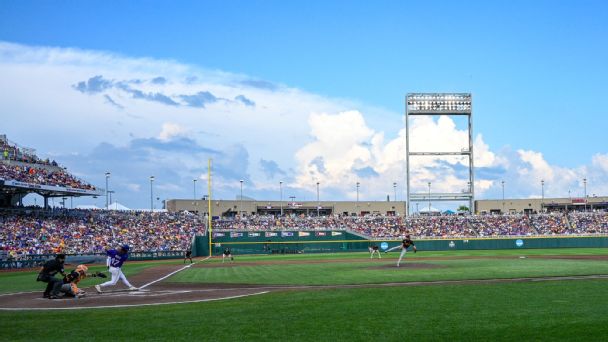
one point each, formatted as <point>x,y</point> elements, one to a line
<point>71,280</point>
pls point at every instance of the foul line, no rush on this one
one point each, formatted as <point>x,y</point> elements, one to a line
<point>172,273</point>
<point>133,305</point>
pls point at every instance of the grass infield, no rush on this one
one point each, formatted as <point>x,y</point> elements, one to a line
<point>548,310</point>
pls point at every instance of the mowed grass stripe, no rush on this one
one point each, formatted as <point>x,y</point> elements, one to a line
<point>383,271</point>
<point>564,310</point>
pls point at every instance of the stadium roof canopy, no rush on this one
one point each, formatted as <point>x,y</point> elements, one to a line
<point>14,187</point>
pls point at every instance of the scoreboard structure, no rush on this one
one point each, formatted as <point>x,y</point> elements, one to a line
<point>433,104</point>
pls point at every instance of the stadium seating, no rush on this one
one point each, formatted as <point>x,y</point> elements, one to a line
<point>92,231</point>
<point>37,175</point>
<point>27,232</point>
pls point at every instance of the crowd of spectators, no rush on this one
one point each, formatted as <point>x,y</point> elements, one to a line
<point>551,224</point>
<point>588,222</point>
<point>41,176</point>
<point>501,225</point>
<point>449,226</point>
<point>92,231</point>
<point>13,152</point>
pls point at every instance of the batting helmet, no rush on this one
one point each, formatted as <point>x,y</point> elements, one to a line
<point>125,248</point>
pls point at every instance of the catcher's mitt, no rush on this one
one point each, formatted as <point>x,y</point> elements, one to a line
<point>100,275</point>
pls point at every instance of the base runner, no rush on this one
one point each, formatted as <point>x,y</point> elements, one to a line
<point>405,243</point>
<point>116,257</point>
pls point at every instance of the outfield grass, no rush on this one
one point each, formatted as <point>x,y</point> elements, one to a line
<point>560,310</point>
<point>362,270</point>
<point>575,310</point>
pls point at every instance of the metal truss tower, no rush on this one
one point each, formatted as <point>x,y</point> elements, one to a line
<point>433,104</point>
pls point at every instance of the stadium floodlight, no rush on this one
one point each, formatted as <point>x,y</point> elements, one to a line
<point>395,192</point>
<point>585,185</point>
<point>503,196</point>
<point>318,202</point>
<point>440,104</point>
<point>241,199</point>
<point>151,195</point>
<point>194,189</point>
<point>107,177</point>
<point>281,196</point>
<point>542,201</point>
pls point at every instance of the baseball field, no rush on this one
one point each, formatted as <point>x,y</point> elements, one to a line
<point>544,294</point>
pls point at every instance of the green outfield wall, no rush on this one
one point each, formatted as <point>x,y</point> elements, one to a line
<point>342,241</point>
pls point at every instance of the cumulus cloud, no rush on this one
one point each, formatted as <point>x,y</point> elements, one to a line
<point>159,80</point>
<point>112,102</point>
<point>271,168</point>
<point>242,99</point>
<point>199,99</point>
<point>171,128</point>
<point>93,85</point>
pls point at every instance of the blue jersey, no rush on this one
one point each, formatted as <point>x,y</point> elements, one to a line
<point>116,259</point>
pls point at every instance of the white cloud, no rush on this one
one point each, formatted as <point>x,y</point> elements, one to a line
<point>133,187</point>
<point>171,130</point>
<point>192,115</point>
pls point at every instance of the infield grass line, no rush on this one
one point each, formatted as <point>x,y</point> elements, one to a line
<point>172,273</point>
<point>135,305</point>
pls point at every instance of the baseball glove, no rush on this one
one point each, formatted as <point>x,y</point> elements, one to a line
<point>100,275</point>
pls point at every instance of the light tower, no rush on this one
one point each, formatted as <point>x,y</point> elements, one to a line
<point>440,104</point>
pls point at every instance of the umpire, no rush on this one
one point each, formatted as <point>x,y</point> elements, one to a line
<point>47,275</point>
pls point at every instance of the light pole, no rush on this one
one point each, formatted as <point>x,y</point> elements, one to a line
<point>151,194</point>
<point>394,192</point>
<point>429,198</point>
<point>241,205</point>
<point>542,201</point>
<point>281,196</point>
<point>107,177</point>
<point>194,188</point>
<point>417,211</point>
<point>585,184</point>
<point>358,193</point>
<point>503,196</point>
<point>318,202</point>
<point>293,204</point>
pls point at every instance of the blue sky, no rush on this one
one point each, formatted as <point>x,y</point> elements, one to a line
<point>537,72</point>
